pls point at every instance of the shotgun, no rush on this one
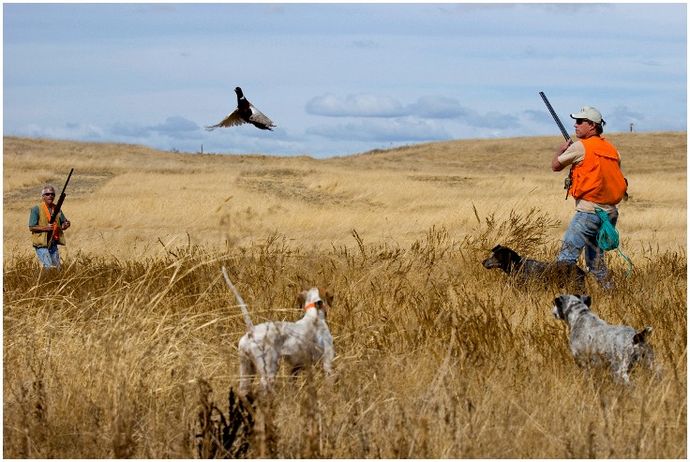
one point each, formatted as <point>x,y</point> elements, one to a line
<point>565,134</point>
<point>58,206</point>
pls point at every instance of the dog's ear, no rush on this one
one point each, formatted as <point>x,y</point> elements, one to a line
<point>586,299</point>
<point>302,298</point>
<point>514,256</point>
<point>641,336</point>
<point>497,247</point>
<point>558,303</point>
<point>327,296</point>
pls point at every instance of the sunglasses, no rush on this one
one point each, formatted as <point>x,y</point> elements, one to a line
<point>580,121</point>
<point>49,194</point>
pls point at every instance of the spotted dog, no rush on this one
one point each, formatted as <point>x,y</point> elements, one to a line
<point>594,342</point>
<point>300,344</point>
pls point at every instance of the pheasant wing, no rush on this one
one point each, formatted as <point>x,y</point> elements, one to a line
<point>259,119</point>
<point>232,119</point>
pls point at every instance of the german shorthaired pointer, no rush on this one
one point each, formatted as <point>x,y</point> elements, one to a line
<point>594,342</point>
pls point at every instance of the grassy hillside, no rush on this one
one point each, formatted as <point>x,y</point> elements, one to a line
<point>123,198</point>
<point>123,351</point>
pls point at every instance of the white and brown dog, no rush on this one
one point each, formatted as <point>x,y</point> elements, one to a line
<point>594,342</point>
<point>301,344</point>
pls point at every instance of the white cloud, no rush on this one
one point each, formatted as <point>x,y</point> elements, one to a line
<point>69,130</point>
<point>438,107</point>
<point>178,127</point>
<point>174,127</point>
<point>425,108</point>
<point>130,130</point>
<point>387,130</point>
<point>362,105</point>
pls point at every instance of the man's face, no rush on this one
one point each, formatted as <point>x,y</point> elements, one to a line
<point>585,128</point>
<point>48,196</point>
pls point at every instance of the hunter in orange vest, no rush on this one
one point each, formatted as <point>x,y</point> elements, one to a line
<point>596,182</point>
<point>46,237</point>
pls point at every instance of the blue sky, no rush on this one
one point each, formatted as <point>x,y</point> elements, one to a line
<point>337,79</point>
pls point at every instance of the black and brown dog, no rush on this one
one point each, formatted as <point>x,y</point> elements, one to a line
<point>525,269</point>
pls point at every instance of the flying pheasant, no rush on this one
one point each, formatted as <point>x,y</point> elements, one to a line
<point>245,113</point>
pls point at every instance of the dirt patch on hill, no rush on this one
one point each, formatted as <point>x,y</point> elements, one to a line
<point>291,184</point>
<point>449,180</point>
<point>85,184</point>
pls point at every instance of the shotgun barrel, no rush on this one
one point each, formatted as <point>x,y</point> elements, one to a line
<point>568,180</point>
<point>555,116</point>
<point>58,206</point>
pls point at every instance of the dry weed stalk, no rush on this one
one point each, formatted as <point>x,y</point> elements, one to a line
<point>218,436</point>
<point>311,442</point>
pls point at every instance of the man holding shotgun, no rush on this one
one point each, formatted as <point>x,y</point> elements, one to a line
<point>596,181</point>
<point>46,236</point>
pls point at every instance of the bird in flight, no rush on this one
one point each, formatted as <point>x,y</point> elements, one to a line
<point>245,113</point>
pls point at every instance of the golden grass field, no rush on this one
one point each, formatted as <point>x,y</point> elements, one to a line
<point>121,352</point>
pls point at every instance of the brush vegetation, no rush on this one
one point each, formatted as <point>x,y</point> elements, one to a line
<point>130,349</point>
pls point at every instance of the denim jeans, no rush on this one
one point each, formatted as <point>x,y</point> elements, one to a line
<point>49,256</point>
<point>582,234</point>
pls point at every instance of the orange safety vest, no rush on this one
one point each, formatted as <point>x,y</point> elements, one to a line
<point>40,239</point>
<point>598,177</point>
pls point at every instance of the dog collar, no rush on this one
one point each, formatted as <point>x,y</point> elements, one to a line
<point>309,305</point>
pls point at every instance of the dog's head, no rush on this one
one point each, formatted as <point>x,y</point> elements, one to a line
<point>641,337</point>
<point>501,257</point>
<point>316,297</point>
<point>643,351</point>
<point>563,305</point>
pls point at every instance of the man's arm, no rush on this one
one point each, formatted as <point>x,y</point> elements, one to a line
<point>567,154</point>
<point>556,165</point>
<point>40,229</point>
<point>33,222</point>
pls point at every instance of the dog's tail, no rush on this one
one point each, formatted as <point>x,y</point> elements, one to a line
<point>243,306</point>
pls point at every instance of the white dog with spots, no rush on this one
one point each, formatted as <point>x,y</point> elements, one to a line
<point>301,344</point>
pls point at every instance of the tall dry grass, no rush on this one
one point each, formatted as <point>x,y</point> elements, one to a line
<point>130,350</point>
<point>437,357</point>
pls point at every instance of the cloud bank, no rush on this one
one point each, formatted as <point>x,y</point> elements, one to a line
<point>395,73</point>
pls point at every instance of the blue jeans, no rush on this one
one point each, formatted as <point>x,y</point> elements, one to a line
<point>582,234</point>
<point>49,256</point>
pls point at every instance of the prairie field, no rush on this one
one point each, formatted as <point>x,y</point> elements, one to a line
<point>130,350</point>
